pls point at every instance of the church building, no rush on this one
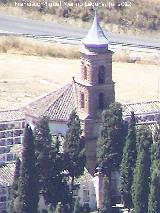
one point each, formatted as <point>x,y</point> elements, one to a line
<point>88,96</point>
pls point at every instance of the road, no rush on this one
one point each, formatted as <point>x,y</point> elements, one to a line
<point>11,24</point>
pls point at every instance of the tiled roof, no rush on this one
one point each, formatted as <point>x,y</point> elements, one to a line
<point>56,105</point>
<point>10,115</point>
<point>140,108</point>
<point>6,174</point>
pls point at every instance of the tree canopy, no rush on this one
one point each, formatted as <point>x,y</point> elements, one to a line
<point>140,188</point>
<point>28,188</point>
<point>74,147</point>
<point>128,163</point>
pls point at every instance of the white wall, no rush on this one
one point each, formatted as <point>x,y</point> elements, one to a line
<point>58,127</point>
<point>88,185</point>
<point>55,127</point>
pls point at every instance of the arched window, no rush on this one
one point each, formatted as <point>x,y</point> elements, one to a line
<point>101,75</point>
<point>101,101</point>
<point>85,73</point>
<point>82,100</point>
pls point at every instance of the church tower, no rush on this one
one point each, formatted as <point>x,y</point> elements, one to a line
<point>95,88</point>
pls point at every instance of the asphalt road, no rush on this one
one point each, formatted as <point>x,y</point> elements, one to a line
<point>11,24</point>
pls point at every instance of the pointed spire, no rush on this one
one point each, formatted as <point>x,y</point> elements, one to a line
<point>95,37</point>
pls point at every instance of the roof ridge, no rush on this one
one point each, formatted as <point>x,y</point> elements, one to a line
<point>6,110</point>
<point>45,95</point>
<point>143,102</point>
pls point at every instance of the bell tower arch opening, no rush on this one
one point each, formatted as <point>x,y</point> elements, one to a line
<point>82,100</point>
<point>101,101</point>
<point>101,75</point>
<point>85,73</point>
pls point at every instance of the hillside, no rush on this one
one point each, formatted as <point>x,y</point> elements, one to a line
<point>131,16</point>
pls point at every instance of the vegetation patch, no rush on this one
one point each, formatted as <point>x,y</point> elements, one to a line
<point>37,48</point>
<point>27,46</point>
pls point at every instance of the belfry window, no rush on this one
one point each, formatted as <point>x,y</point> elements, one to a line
<point>82,100</point>
<point>85,73</point>
<point>101,101</point>
<point>101,75</point>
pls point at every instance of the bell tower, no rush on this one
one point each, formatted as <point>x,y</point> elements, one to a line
<point>95,88</point>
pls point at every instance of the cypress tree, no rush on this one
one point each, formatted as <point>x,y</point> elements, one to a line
<point>128,163</point>
<point>154,197</point>
<point>14,190</point>
<point>111,141</point>
<point>107,196</point>
<point>110,145</point>
<point>154,201</point>
<point>140,188</point>
<point>74,148</point>
<point>50,165</point>
<point>43,142</point>
<point>28,189</point>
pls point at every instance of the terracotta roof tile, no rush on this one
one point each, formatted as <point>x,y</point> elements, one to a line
<point>56,105</point>
<point>140,108</point>
<point>11,115</point>
<point>6,174</point>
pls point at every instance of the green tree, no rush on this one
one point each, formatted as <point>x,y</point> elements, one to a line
<point>74,148</point>
<point>140,188</point>
<point>110,144</point>
<point>128,163</point>
<point>107,196</point>
<point>28,188</point>
<point>50,165</point>
<point>154,201</point>
<point>14,190</point>
<point>112,137</point>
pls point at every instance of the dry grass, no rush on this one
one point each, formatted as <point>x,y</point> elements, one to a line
<point>26,46</point>
<point>23,78</point>
<point>36,48</point>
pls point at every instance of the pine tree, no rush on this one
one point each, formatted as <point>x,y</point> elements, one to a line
<point>154,201</point>
<point>140,188</point>
<point>28,189</point>
<point>50,164</point>
<point>74,148</point>
<point>128,163</point>
<point>14,190</point>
